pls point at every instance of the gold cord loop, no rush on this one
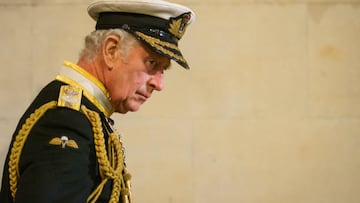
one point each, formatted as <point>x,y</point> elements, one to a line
<point>19,144</point>
<point>110,166</point>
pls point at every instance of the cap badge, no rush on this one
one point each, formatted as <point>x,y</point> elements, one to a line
<point>177,25</point>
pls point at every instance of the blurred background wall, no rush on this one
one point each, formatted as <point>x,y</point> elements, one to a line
<point>268,113</point>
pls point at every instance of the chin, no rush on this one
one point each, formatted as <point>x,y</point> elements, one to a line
<point>130,108</point>
<point>121,111</point>
<point>134,106</point>
<point>125,107</point>
<point>134,109</point>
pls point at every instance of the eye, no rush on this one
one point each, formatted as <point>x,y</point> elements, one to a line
<point>151,63</point>
<point>156,65</point>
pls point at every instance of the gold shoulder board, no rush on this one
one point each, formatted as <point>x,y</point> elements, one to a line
<point>70,97</point>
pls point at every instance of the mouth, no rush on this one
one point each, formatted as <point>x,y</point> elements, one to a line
<point>143,96</point>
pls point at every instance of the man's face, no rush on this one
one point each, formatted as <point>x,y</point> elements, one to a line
<point>134,78</point>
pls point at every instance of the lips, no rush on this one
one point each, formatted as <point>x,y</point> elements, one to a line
<point>144,96</point>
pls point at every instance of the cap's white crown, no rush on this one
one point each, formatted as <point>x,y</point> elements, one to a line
<point>157,8</point>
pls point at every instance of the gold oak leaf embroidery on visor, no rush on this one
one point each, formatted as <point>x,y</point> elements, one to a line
<point>158,44</point>
<point>64,142</point>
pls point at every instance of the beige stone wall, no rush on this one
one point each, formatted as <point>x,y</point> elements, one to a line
<point>269,113</point>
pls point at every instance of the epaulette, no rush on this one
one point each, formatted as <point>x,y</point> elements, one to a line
<point>70,97</point>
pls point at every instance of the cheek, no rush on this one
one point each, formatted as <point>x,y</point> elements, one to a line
<point>131,85</point>
<point>139,80</point>
<point>125,84</point>
<point>117,87</point>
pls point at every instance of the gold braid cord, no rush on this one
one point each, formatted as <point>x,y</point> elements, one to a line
<point>111,165</point>
<point>109,168</point>
<point>19,144</point>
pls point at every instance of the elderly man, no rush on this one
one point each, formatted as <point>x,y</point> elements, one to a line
<point>64,148</point>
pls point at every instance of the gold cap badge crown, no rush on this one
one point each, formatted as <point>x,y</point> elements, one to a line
<point>178,25</point>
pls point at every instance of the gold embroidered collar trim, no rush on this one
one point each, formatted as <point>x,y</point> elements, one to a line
<point>92,88</point>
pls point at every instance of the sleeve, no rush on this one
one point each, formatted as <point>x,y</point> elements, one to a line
<point>58,161</point>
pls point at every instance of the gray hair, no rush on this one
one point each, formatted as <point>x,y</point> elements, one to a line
<point>94,41</point>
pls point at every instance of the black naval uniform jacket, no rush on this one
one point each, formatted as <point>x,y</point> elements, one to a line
<point>51,173</point>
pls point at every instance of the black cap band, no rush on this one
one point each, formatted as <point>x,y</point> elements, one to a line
<point>150,25</point>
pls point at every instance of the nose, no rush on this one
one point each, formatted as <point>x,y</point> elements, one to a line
<point>156,81</point>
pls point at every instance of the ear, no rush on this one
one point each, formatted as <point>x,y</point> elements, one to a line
<point>110,50</point>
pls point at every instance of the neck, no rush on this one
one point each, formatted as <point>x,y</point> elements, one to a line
<point>94,68</point>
